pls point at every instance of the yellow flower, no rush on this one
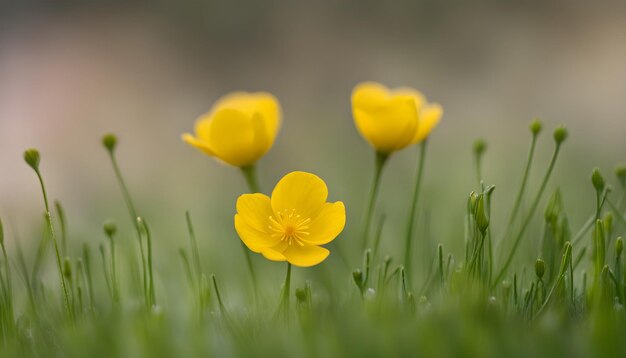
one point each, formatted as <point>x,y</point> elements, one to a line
<point>293,223</point>
<point>429,116</point>
<point>391,120</point>
<point>239,129</point>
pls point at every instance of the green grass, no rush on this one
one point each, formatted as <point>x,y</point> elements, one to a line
<point>68,297</point>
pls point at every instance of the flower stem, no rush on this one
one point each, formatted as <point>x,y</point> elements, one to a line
<point>151,291</point>
<point>249,174</point>
<point>63,223</point>
<point>522,188</point>
<point>87,267</point>
<point>114,283</point>
<point>529,215</point>
<point>218,296</point>
<point>10,314</point>
<point>66,297</point>
<point>194,246</point>
<point>565,264</point>
<point>411,222</point>
<point>381,159</point>
<point>284,297</point>
<point>133,216</point>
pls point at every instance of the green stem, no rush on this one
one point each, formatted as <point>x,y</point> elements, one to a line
<point>249,174</point>
<point>479,175</point>
<point>565,264</point>
<point>440,257</point>
<point>66,297</point>
<point>9,288</point>
<point>114,283</point>
<point>125,192</point>
<point>105,269</point>
<point>194,246</point>
<point>133,215</point>
<point>529,215</point>
<point>379,234</point>
<point>63,224</point>
<point>151,290</point>
<point>381,159</point>
<point>411,222</point>
<point>489,240</point>
<point>219,296</point>
<point>285,296</point>
<point>87,264</point>
<point>522,188</point>
<point>27,278</point>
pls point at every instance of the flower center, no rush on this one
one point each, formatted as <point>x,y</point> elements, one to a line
<point>290,227</point>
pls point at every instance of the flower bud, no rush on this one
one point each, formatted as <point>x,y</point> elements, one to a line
<point>597,180</point>
<point>482,221</point>
<point>110,142</point>
<point>535,127</point>
<point>32,158</point>
<point>560,134</point>
<point>540,268</point>
<point>480,146</point>
<point>110,228</point>
<point>619,246</point>
<point>473,199</point>
<point>620,173</point>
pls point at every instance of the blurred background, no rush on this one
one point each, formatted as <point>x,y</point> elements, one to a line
<point>72,71</point>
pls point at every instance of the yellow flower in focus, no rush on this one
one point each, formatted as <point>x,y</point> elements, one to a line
<point>392,119</point>
<point>293,223</point>
<point>239,129</point>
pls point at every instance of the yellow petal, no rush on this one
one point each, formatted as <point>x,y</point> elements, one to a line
<point>419,98</point>
<point>303,192</point>
<point>251,237</point>
<point>369,95</point>
<point>388,127</point>
<point>252,222</point>
<point>233,137</point>
<point>203,127</point>
<point>255,210</point>
<point>327,225</point>
<point>305,256</point>
<point>197,143</point>
<point>250,103</point>
<point>272,255</point>
<point>387,119</point>
<point>429,117</point>
<point>262,141</point>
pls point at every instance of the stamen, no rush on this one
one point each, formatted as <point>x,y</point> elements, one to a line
<point>288,225</point>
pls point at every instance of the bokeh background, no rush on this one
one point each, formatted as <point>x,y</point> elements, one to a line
<point>73,71</point>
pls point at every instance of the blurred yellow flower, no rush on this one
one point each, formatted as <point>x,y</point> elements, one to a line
<point>429,116</point>
<point>391,120</point>
<point>293,223</point>
<point>239,129</point>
